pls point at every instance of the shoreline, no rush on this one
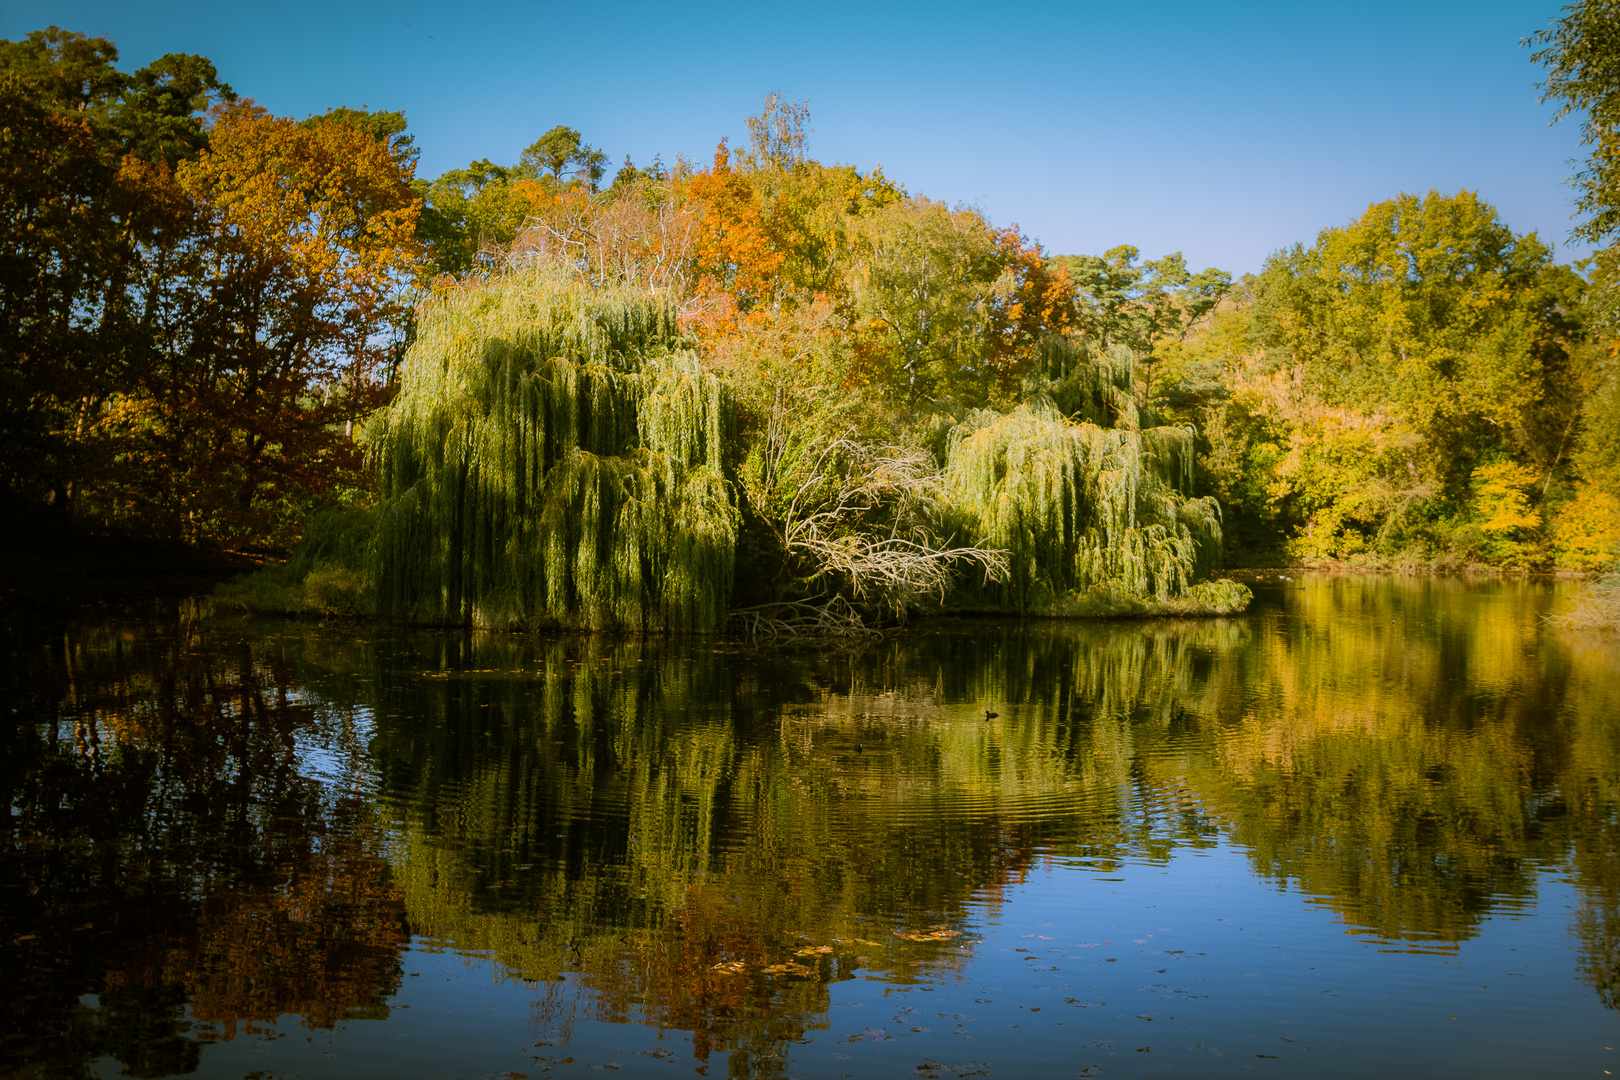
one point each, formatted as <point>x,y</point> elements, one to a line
<point>1240,573</point>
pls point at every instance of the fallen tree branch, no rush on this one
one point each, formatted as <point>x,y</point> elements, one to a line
<point>835,617</point>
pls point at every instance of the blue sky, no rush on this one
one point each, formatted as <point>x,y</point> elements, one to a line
<point>1222,131</point>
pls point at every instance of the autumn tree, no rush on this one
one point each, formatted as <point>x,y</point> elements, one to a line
<point>283,312</point>
<point>1041,301</point>
<point>1392,359</point>
<point>736,256</point>
<point>73,242</point>
<point>1429,304</point>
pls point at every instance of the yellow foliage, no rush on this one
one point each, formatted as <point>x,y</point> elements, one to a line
<point>1500,496</point>
<point>1502,506</point>
<point>1586,532</point>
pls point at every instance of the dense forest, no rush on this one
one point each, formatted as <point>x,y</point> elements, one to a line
<point>761,386</point>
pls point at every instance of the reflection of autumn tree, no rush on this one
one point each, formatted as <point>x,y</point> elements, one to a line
<point>324,945</point>
<point>592,808</point>
<point>1408,754</point>
<point>1393,753</point>
<point>673,833</point>
<point>167,847</point>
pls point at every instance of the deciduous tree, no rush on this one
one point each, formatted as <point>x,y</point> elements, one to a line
<point>294,294</point>
<point>1429,305</point>
<point>925,276</point>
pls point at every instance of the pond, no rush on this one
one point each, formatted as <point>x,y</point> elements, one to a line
<point>1370,828</point>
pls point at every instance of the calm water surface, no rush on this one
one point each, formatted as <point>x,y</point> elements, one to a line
<point>1369,829</point>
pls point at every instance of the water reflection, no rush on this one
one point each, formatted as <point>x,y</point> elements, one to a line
<point>164,849</point>
<point>215,826</point>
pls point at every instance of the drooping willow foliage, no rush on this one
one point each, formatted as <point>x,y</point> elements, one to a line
<point>1083,386</point>
<point>1078,493</point>
<point>554,457</point>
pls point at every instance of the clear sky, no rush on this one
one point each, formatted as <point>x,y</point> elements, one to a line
<point>1224,131</point>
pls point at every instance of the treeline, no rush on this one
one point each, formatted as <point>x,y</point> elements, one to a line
<point>202,305</point>
<point>1422,386</point>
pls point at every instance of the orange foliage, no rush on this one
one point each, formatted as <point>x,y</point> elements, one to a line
<point>1041,303</point>
<point>324,945</point>
<point>737,258</point>
<point>278,261</point>
<point>333,201</point>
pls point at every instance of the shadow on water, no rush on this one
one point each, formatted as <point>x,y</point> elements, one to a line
<point>216,824</point>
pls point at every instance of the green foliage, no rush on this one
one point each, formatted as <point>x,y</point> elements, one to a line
<point>329,574</point>
<point>1581,52</point>
<point>155,113</point>
<point>1429,305</point>
<point>554,456</point>
<point>1123,303</point>
<point>1385,364</point>
<point>1148,308</point>
<point>459,215</point>
<point>1093,387</point>
<point>558,149</point>
<point>1222,597</point>
<point>1597,450</point>
<point>1089,516</point>
<point>924,277</point>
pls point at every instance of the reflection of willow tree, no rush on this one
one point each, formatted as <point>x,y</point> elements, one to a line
<point>164,847</point>
<point>1394,755</point>
<point>647,829</point>
<point>1083,707</point>
<point>632,818</point>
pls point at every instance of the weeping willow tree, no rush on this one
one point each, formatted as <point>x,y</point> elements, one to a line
<point>554,457</point>
<point>1088,503</point>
